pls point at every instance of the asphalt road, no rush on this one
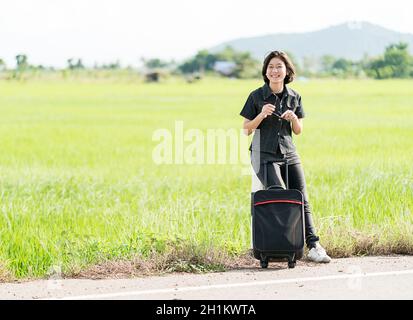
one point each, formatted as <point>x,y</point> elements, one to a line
<point>389,277</point>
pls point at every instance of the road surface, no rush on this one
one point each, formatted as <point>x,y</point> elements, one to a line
<point>387,277</point>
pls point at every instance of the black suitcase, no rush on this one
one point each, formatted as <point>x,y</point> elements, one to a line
<point>277,223</point>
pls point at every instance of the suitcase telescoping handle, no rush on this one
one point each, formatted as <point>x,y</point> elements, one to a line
<point>266,173</point>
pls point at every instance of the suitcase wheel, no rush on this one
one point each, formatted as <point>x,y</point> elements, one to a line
<point>264,263</point>
<point>291,264</point>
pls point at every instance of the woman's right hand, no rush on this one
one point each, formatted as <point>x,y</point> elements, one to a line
<point>267,110</point>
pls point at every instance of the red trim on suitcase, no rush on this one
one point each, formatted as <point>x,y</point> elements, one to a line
<point>278,201</point>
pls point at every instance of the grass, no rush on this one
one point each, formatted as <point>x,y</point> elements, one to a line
<point>79,187</point>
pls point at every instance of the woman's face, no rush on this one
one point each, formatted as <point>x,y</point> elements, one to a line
<point>276,70</point>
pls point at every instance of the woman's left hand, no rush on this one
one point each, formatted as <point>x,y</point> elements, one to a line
<point>289,115</point>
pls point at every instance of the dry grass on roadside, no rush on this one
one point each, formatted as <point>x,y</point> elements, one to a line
<point>5,275</point>
<point>183,259</point>
<point>173,262</point>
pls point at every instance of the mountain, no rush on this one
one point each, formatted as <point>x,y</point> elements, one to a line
<point>349,40</point>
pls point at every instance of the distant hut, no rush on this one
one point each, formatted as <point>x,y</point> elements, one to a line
<point>153,76</point>
<point>225,68</point>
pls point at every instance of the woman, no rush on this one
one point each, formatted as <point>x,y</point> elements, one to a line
<point>276,110</point>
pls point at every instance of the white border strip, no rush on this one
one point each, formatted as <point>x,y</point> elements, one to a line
<point>232,285</point>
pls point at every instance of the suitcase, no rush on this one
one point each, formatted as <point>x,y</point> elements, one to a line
<point>277,223</point>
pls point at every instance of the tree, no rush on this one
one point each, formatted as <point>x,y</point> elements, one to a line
<point>21,61</point>
<point>154,63</point>
<point>75,64</point>
<point>246,65</point>
<point>397,57</point>
<point>109,66</point>
<point>201,62</point>
<point>327,62</point>
<point>396,63</point>
<point>343,67</point>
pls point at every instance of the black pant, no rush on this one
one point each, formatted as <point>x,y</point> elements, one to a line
<point>296,180</point>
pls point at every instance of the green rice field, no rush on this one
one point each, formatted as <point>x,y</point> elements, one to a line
<point>79,185</point>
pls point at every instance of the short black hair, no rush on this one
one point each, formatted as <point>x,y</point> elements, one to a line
<point>288,64</point>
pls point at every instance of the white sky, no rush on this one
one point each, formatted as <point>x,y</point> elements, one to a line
<point>102,31</point>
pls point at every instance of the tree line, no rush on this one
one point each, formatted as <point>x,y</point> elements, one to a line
<point>395,62</point>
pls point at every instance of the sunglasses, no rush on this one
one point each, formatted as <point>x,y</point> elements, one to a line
<point>277,115</point>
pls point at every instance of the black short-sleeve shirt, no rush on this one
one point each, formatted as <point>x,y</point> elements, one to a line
<point>275,134</point>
